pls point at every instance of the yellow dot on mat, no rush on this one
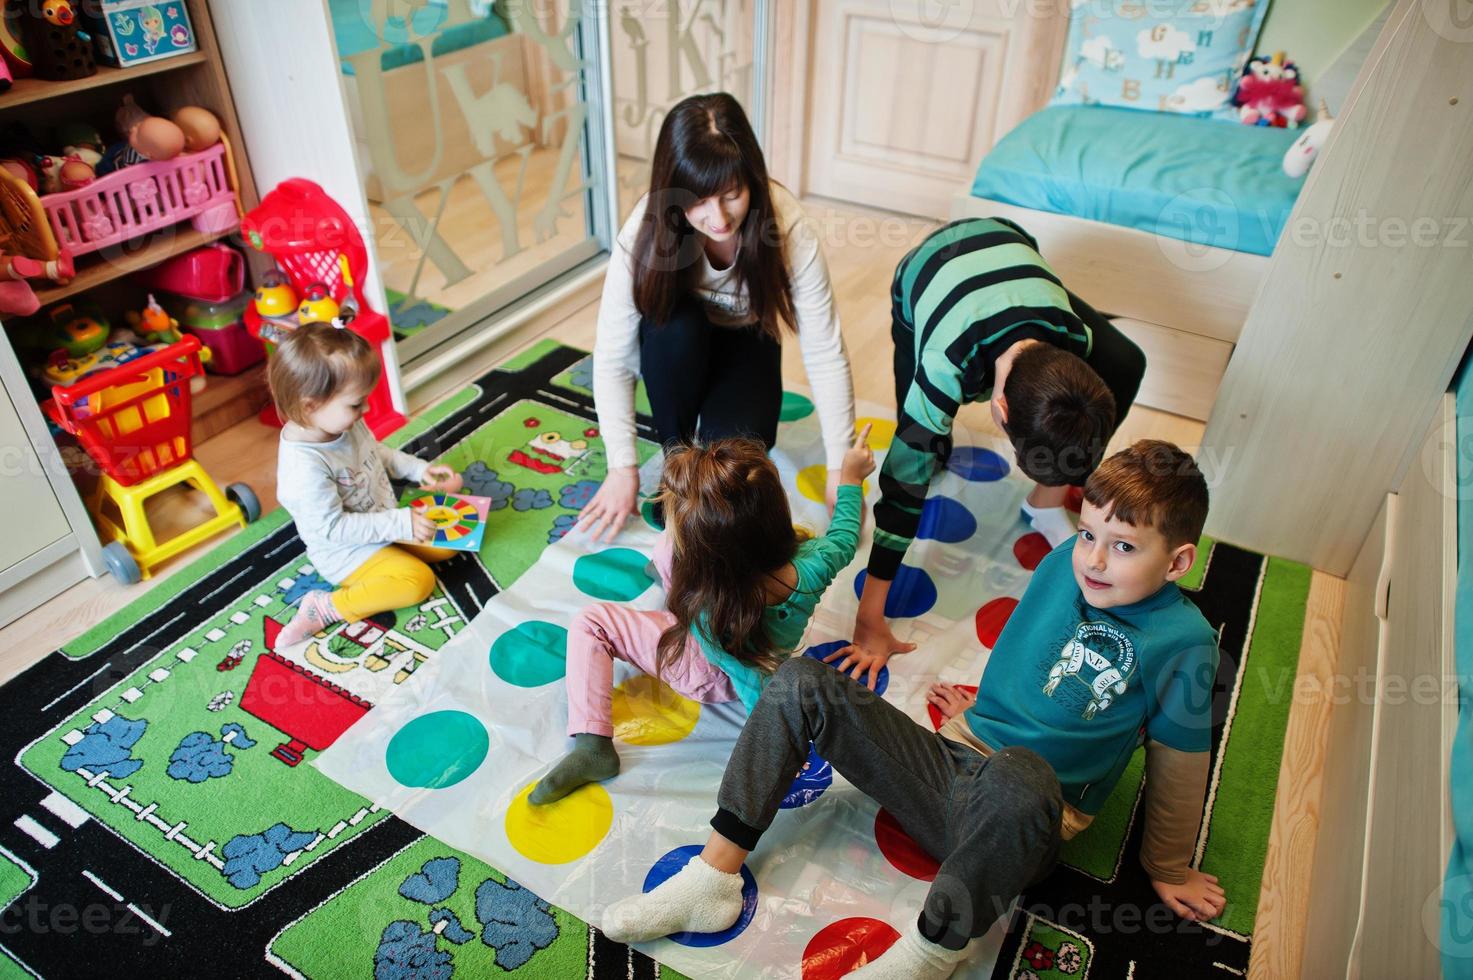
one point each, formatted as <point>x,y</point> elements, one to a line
<point>647,711</point>
<point>881,435</point>
<point>563,831</point>
<point>813,480</point>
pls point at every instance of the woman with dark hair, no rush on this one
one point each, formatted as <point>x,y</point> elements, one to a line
<point>711,267</point>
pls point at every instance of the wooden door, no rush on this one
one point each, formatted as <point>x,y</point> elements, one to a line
<point>906,96</point>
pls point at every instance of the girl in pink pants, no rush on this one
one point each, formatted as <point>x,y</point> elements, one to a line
<point>741,585</point>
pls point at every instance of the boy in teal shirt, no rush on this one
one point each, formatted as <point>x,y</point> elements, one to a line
<point>1102,651</point>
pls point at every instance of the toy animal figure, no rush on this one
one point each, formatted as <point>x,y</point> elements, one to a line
<point>154,324</point>
<point>58,48</point>
<point>1306,149</point>
<point>1269,93</point>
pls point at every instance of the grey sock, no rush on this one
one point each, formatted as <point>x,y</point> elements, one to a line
<point>593,759</point>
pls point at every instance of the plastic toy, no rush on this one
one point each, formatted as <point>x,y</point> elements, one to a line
<point>65,173</point>
<point>1269,93</point>
<point>317,305</point>
<point>23,170</point>
<point>274,306</point>
<point>1302,154</point>
<point>28,249</point>
<point>221,328</point>
<point>12,48</point>
<point>79,331</point>
<point>145,138</point>
<point>213,273</point>
<point>313,239</point>
<point>200,127</point>
<point>134,420</point>
<point>58,48</point>
<point>459,519</point>
<point>5,79</point>
<point>61,368</point>
<point>154,324</point>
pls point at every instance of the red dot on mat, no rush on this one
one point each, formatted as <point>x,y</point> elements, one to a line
<point>1074,499</point>
<point>844,946</point>
<point>992,617</point>
<point>1031,549</point>
<point>901,851</point>
<point>936,720</point>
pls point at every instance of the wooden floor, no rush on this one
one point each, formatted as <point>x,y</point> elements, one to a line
<point>862,249</point>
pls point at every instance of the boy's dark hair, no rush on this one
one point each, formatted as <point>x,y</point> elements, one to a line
<point>1060,415</point>
<point>1152,484</point>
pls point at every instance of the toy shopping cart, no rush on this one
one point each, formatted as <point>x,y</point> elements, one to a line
<point>134,420</point>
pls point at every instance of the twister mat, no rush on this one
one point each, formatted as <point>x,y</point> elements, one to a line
<point>457,752</point>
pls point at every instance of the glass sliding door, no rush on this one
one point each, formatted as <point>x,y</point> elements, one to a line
<point>472,124</point>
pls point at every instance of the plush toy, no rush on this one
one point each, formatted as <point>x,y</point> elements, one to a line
<point>1269,93</point>
<point>145,137</point>
<point>1304,151</point>
<point>58,48</point>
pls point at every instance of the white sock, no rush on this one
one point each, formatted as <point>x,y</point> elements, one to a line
<point>913,957</point>
<point>1052,522</point>
<point>697,898</point>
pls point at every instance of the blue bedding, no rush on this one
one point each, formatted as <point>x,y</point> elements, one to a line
<point>1457,890</point>
<point>355,33</point>
<point>1204,181</point>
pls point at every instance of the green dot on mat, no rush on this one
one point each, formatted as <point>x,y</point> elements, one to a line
<point>530,655</point>
<point>794,407</point>
<point>647,511</point>
<point>617,574</point>
<point>437,750</point>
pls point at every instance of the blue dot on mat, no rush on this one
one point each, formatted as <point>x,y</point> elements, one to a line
<point>882,680</point>
<point>911,594</point>
<point>531,654</point>
<point>437,750</point>
<point>977,464</point>
<point>616,575</point>
<point>668,865</point>
<point>943,519</point>
<point>794,407</point>
<point>815,777</point>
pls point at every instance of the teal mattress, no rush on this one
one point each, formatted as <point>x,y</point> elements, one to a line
<point>1204,181</point>
<point>355,33</point>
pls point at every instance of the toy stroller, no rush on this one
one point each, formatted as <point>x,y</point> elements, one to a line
<point>134,421</point>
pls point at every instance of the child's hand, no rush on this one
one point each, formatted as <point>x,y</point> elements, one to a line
<point>858,662</point>
<point>441,479</point>
<point>1199,898</point>
<point>859,461</point>
<point>424,528</point>
<point>949,699</point>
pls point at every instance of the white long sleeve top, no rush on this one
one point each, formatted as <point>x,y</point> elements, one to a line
<point>339,495</point>
<point>616,349</point>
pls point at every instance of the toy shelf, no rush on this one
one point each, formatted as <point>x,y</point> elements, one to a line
<point>28,90</point>
<point>94,270</point>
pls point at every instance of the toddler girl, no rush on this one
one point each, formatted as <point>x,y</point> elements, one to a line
<point>741,586</point>
<point>332,476</point>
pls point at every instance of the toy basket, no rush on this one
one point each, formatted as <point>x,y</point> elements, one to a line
<point>136,200</point>
<point>133,419</point>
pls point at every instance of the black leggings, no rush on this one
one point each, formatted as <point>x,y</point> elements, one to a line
<point>726,379</point>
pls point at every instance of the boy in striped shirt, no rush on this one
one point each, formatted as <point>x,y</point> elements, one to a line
<point>978,315</point>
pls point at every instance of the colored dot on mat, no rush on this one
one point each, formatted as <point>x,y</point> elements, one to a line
<point>794,407</point>
<point>977,464</point>
<point>563,831</point>
<point>1031,549</point>
<point>935,713</point>
<point>647,511</point>
<point>437,750</point>
<point>901,850</point>
<point>844,946</point>
<point>818,652</point>
<point>616,575</point>
<point>813,481</point>
<point>1074,499</point>
<point>815,777</point>
<point>531,654</point>
<point>992,617</point>
<point>911,594</point>
<point>677,859</point>
<point>881,433</point>
<point>943,519</point>
<point>647,711</point>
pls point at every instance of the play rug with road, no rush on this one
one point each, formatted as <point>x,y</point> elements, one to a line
<point>457,753</point>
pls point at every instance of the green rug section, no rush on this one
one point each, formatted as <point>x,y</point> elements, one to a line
<point>530,356</point>
<point>410,317</point>
<point>1242,813</point>
<point>11,970</point>
<point>490,927</point>
<point>1099,849</point>
<point>14,880</point>
<point>88,643</point>
<point>1194,576</point>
